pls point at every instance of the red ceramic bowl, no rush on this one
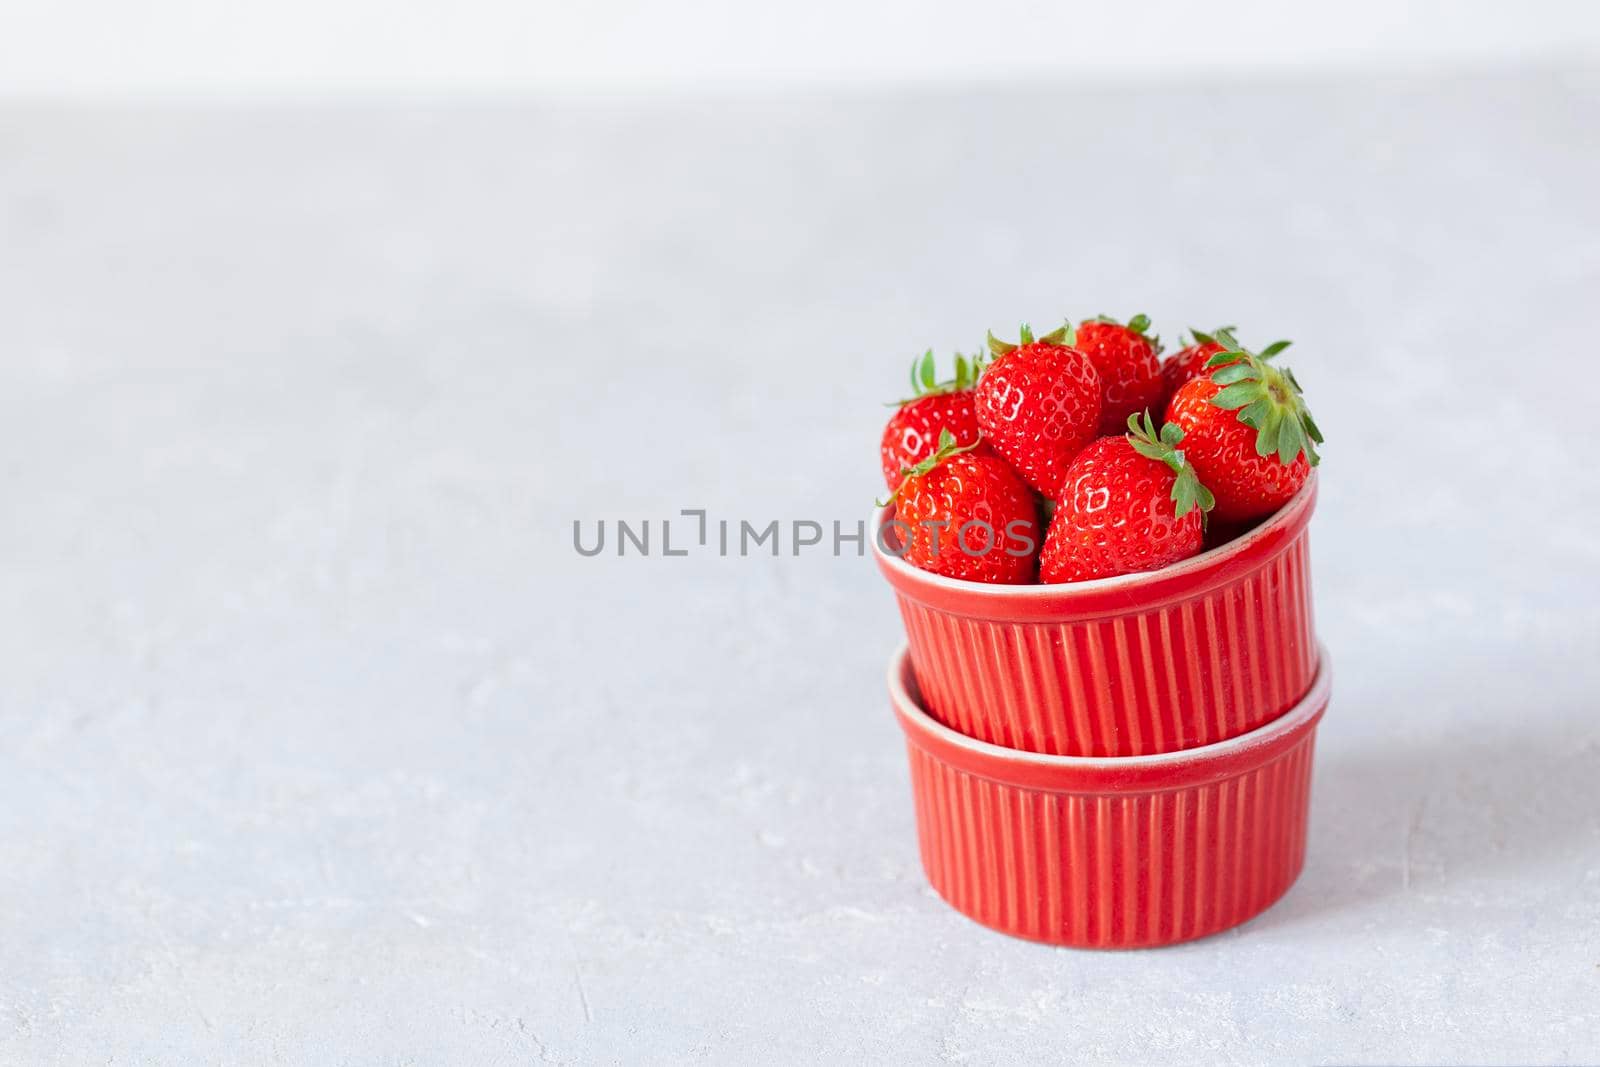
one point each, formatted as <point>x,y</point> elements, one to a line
<point>1118,852</point>
<point>1188,655</point>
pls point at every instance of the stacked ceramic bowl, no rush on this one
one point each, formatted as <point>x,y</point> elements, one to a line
<point>1115,763</point>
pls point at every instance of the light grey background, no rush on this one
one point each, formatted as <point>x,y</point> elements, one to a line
<point>319,744</point>
<point>295,48</point>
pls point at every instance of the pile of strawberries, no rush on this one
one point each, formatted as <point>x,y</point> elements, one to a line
<point>1059,428</point>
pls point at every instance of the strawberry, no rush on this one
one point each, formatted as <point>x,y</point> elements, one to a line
<point>1248,433</point>
<point>1125,357</point>
<point>1190,361</point>
<point>964,514</point>
<point>1038,404</point>
<point>913,431</point>
<point>1131,503</point>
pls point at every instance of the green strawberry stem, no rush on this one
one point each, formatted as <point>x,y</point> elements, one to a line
<point>947,448</point>
<point>1187,492</point>
<point>1267,398</point>
<point>1062,336</point>
<point>1198,337</point>
<point>1139,324</point>
<point>924,377</point>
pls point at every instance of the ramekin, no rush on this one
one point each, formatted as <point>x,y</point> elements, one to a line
<point>1191,654</point>
<point>1113,852</point>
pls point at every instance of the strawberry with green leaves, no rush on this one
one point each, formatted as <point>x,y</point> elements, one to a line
<point>965,514</point>
<point>1126,358</point>
<point>1247,431</point>
<point>1038,404</point>
<point>1190,361</point>
<point>913,430</point>
<point>1130,503</point>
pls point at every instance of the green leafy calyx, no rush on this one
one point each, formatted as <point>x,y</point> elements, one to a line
<point>1200,337</point>
<point>1062,336</point>
<point>925,378</point>
<point>1139,324</point>
<point>1267,398</point>
<point>1187,492</point>
<point>947,447</point>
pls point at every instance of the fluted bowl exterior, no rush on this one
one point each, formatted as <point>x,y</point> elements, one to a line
<point>1189,655</point>
<point>1120,852</point>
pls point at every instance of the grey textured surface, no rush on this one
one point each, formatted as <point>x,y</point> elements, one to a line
<point>319,744</point>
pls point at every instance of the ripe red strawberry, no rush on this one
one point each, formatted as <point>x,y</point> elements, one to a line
<point>1190,361</point>
<point>966,515</point>
<point>1131,503</point>
<point>1125,357</point>
<point>912,433</point>
<point>1247,431</point>
<point>1038,404</point>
